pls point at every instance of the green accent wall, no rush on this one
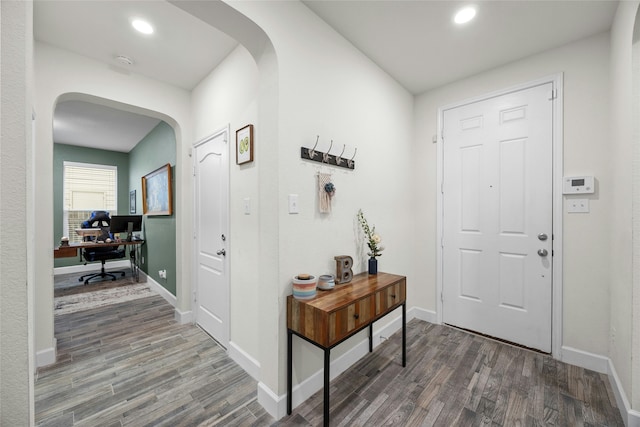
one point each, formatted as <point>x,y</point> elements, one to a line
<point>71,153</point>
<point>155,150</point>
<point>159,251</point>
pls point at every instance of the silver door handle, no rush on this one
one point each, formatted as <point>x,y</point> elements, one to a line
<point>221,252</point>
<point>542,236</point>
<point>543,252</point>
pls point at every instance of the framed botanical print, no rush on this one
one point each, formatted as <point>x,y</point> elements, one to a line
<point>244,145</point>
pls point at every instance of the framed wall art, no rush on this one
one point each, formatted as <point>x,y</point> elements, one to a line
<point>132,202</point>
<point>244,145</point>
<point>157,192</point>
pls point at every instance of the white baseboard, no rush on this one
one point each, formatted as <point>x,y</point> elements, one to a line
<point>47,356</point>
<point>250,365</point>
<point>89,267</point>
<point>422,314</point>
<point>275,405</point>
<point>632,418</point>
<point>181,317</point>
<point>584,359</point>
<point>603,365</point>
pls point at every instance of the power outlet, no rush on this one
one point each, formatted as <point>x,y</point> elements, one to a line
<point>578,205</point>
<point>162,274</point>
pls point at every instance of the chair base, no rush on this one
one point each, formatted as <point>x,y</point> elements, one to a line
<point>102,274</point>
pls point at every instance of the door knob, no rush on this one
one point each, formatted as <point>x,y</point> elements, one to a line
<point>542,252</point>
<point>223,252</point>
<point>542,236</point>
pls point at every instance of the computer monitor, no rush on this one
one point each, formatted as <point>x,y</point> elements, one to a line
<point>126,224</point>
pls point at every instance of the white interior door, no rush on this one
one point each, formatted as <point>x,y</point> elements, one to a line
<point>211,236</point>
<point>497,210</point>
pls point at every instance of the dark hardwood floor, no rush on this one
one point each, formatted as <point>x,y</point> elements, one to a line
<point>131,364</point>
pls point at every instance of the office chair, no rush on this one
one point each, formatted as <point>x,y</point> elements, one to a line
<point>100,219</point>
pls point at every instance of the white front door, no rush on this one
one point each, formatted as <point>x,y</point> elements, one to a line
<point>497,210</point>
<point>211,235</point>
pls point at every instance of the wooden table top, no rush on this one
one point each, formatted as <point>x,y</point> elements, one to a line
<point>362,285</point>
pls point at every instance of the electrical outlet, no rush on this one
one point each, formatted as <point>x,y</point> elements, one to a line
<point>578,206</point>
<point>162,274</point>
<point>143,260</point>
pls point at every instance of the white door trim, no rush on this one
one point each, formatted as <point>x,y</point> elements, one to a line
<point>557,82</point>
<point>225,131</point>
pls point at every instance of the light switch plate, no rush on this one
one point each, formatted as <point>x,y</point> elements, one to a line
<point>578,205</point>
<point>293,204</point>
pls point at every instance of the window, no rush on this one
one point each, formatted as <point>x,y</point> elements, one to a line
<point>87,188</point>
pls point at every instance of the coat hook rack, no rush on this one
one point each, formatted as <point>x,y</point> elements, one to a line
<point>328,158</point>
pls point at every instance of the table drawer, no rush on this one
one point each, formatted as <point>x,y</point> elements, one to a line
<point>346,320</point>
<point>389,297</point>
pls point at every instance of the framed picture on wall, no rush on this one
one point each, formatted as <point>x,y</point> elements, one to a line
<point>156,192</point>
<point>132,201</point>
<point>244,145</point>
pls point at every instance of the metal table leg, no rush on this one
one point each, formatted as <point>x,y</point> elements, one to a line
<point>289,370</point>
<point>404,335</point>
<point>327,357</point>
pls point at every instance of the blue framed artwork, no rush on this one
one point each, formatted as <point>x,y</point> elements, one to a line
<point>156,192</point>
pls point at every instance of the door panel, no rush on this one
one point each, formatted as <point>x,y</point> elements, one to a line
<point>211,202</point>
<point>497,198</point>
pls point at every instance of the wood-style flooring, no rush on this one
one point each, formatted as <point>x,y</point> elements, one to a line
<point>454,378</point>
<point>131,364</point>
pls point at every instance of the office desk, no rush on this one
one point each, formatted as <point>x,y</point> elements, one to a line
<point>75,249</point>
<point>332,316</point>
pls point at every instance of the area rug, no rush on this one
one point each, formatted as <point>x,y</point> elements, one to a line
<point>79,298</point>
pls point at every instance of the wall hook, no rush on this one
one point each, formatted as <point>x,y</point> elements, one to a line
<point>326,156</point>
<point>350,162</point>
<point>312,151</point>
<point>339,158</point>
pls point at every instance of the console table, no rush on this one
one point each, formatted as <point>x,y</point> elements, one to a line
<point>333,316</point>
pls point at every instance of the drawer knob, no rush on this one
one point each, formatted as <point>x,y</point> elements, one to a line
<point>393,295</point>
<point>356,316</point>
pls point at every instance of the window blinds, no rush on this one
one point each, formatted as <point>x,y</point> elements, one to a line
<point>90,187</point>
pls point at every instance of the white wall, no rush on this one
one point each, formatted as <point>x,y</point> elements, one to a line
<point>621,143</point>
<point>16,286</point>
<point>585,65</point>
<point>328,88</point>
<point>59,72</point>
<point>228,97</point>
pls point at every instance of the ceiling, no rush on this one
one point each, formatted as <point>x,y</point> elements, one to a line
<point>415,42</point>
<point>418,43</point>
<point>97,126</point>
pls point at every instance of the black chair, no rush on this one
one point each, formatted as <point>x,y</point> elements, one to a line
<point>100,219</point>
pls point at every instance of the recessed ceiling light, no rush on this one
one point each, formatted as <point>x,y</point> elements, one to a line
<point>142,26</point>
<point>465,15</point>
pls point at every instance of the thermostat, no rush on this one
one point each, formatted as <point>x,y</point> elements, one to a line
<point>578,185</point>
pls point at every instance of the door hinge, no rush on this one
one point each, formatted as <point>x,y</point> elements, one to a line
<point>553,94</point>
<point>442,188</point>
<point>441,297</point>
<point>194,171</point>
